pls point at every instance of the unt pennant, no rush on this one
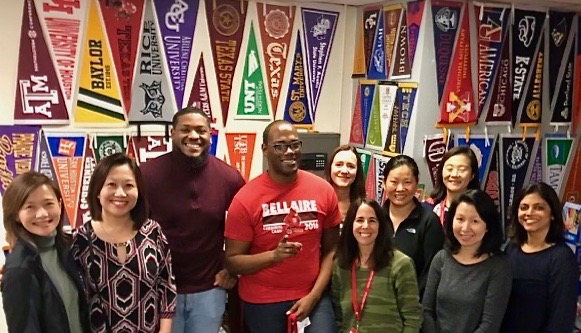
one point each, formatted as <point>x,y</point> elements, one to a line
<point>252,103</point>
<point>387,100</point>
<point>359,64</point>
<point>276,26</point>
<point>573,180</point>
<point>44,160</point>
<point>63,24</point>
<point>108,144</point>
<point>379,165</point>
<point>373,138</point>
<point>99,99</point>
<point>356,132</point>
<point>491,180</point>
<point>39,99</point>
<point>516,163</point>
<point>415,12</point>
<point>457,106</point>
<point>558,153</point>
<point>241,151</point>
<point>446,19</point>
<point>148,146</point>
<point>319,28</point>
<point>122,23</point>
<point>67,152</point>
<point>199,96</point>
<point>393,19</point>
<point>435,146</point>
<point>18,145</point>
<point>367,97</point>
<point>401,67</point>
<point>297,109</point>
<point>499,111</point>
<point>83,213</point>
<point>377,69</point>
<point>369,28</point>
<point>226,19</point>
<point>405,99</point>
<point>482,146</point>
<point>177,22</point>
<point>492,28</point>
<point>152,98</point>
<point>562,38</point>
<point>527,32</point>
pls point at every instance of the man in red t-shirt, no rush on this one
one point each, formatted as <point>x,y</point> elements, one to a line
<point>281,233</point>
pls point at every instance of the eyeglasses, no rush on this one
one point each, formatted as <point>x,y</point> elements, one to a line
<point>281,148</point>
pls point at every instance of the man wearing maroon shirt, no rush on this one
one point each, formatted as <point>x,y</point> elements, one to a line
<point>189,192</point>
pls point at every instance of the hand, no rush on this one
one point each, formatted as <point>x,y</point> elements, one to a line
<point>223,279</point>
<point>285,249</point>
<point>303,306</point>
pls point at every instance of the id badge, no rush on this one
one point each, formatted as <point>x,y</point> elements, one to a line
<point>354,330</point>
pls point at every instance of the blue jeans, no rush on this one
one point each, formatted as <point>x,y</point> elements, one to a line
<point>200,312</point>
<point>272,318</point>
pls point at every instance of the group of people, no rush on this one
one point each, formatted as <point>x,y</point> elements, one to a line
<point>169,238</point>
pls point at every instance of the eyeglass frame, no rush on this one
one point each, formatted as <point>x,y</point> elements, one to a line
<point>285,146</point>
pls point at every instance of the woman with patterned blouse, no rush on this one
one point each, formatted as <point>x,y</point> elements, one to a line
<point>125,255</point>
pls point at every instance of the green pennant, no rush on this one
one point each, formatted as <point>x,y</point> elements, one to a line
<point>105,145</point>
<point>374,129</point>
<point>365,157</point>
<point>558,151</point>
<point>252,103</point>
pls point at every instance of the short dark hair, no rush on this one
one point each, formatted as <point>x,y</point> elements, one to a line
<point>357,188</point>
<point>517,232</point>
<point>348,250</point>
<point>140,212</point>
<point>439,192</point>
<point>485,207</point>
<point>187,110</point>
<point>266,131</point>
<point>15,197</point>
<point>399,160</point>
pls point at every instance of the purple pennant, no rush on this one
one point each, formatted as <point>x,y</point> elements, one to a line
<point>377,67</point>
<point>17,152</point>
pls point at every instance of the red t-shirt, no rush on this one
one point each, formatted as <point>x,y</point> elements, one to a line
<point>262,213</point>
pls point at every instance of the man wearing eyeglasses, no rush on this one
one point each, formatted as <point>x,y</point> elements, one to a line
<point>281,232</point>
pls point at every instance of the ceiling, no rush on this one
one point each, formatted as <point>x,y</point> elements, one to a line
<point>565,5</point>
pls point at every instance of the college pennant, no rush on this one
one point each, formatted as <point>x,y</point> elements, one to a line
<point>356,133</point>
<point>44,160</point>
<point>405,98</point>
<point>359,64</point>
<point>39,99</point>
<point>415,12</point>
<point>537,169</point>
<point>393,17</point>
<point>370,180</point>
<point>177,22</point>
<point>83,213</point>
<point>499,110</point>
<point>67,151</point>
<point>365,157</point>
<point>482,146</point>
<point>401,67</point>
<point>391,112</point>
<point>562,37</point>
<point>573,184</point>
<point>369,32</point>
<point>152,96</point>
<point>241,151</point>
<point>199,96</point>
<point>576,113</point>
<point>491,184</point>
<point>148,146</point>
<point>557,155</point>
<point>377,69</point>
<point>435,146</point>
<point>492,28</point>
<point>18,145</point>
<point>226,19</point>
<point>108,144</point>
<point>123,24</point>
<point>297,103</point>
<point>368,88</point>
<point>527,66</point>
<point>252,103</point>
<point>276,26</point>
<point>379,165</point>
<point>375,127</point>
<point>319,28</point>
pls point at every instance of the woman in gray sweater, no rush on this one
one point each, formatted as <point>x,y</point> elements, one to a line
<point>469,281</point>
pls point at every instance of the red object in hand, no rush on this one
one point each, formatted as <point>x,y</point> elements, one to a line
<point>292,323</point>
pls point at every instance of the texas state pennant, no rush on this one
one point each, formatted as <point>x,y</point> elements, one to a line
<point>67,151</point>
<point>537,169</point>
<point>558,152</point>
<point>401,67</point>
<point>482,146</point>
<point>39,99</point>
<point>83,213</point>
<point>457,105</point>
<point>387,101</point>
<point>527,65</point>
<point>435,146</point>
<point>241,151</point>
<point>44,161</point>
<point>393,17</point>
<point>406,97</point>
<point>108,144</point>
<point>252,103</point>
<point>63,25</point>
<point>123,23</point>
<point>377,70</point>
<point>367,97</point>
<point>573,183</point>
<point>177,22</point>
<point>152,96</point>
<point>415,12</point>
<point>374,131</point>
<point>226,19</point>
<point>199,96</point>
<point>516,161</point>
<point>369,28</point>
<point>492,28</point>
<point>148,146</point>
<point>379,165</point>
<point>276,26</point>
<point>319,28</point>
<point>99,99</point>
<point>356,133</point>
<point>297,110</point>
<point>491,184</point>
<point>18,146</point>
<point>359,64</point>
<point>562,31</point>
<point>499,111</point>
<point>445,17</point>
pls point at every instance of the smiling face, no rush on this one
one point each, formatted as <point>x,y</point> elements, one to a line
<point>119,193</point>
<point>282,166</point>
<point>41,212</point>
<point>192,135</point>
<point>468,227</point>
<point>534,214</point>
<point>400,186</point>
<point>344,168</point>
<point>365,226</point>
<point>457,173</point>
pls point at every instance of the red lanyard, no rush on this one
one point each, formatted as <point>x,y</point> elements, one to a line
<point>358,307</point>
<point>442,210</point>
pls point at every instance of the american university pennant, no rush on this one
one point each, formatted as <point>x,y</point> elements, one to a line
<point>401,67</point>
<point>406,97</point>
<point>379,165</point>
<point>491,184</point>
<point>573,180</point>
<point>18,145</point>
<point>374,130</point>
<point>499,110</point>
<point>44,161</point>
<point>368,88</point>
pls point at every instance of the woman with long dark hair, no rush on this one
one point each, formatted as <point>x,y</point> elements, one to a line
<point>345,173</point>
